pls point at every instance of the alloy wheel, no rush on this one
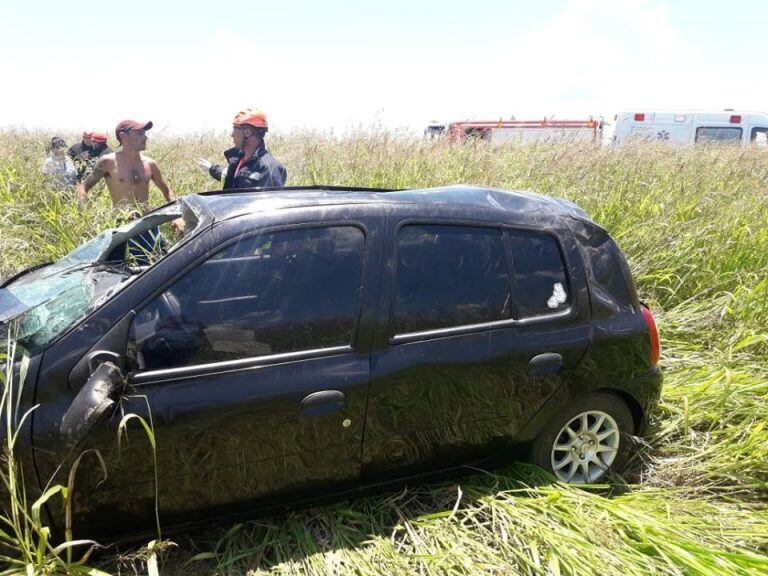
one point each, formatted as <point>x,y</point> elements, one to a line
<point>585,447</point>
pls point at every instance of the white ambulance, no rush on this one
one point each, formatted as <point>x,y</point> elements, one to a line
<point>691,127</point>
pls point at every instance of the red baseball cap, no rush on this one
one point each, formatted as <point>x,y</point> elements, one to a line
<point>128,125</point>
<point>98,136</point>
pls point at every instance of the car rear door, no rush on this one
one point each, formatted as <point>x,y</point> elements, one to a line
<point>533,357</point>
<point>471,351</point>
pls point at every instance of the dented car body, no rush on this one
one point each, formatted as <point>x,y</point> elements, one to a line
<point>301,343</point>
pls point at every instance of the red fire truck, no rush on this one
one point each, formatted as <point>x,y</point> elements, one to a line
<point>520,131</point>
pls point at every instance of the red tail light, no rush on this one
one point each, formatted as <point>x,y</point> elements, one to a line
<point>653,333</point>
<point>736,119</point>
<point>639,117</point>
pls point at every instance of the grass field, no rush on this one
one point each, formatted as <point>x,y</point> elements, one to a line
<point>695,499</point>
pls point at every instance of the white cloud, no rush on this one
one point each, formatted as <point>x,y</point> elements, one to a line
<point>597,54</point>
<point>596,57</point>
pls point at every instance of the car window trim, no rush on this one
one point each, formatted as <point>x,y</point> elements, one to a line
<point>409,337</point>
<point>514,309</point>
<point>145,377</point>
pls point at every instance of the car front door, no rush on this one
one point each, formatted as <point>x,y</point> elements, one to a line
<point>252,369</point>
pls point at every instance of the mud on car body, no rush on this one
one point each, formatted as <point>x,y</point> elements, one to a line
<point>306,342</point>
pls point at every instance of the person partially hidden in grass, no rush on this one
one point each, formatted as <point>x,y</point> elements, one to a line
<point>127,172</point>
<point>249,164</point>
<point>85,153</point>
<point>59,167</point>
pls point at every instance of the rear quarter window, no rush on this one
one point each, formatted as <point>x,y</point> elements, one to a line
<point>539,280</point>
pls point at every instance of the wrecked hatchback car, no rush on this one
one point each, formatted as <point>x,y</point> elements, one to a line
<point>308,342</point>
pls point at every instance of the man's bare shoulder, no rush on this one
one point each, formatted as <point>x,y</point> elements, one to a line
<point>107,161</point>
<point>150,163</point>
<point>103,168</point>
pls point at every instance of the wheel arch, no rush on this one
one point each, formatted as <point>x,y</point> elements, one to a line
<point>632,404</point>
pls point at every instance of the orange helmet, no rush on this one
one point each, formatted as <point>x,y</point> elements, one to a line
<point>250,117</point>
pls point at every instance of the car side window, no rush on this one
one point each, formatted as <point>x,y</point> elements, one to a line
<point>759,136</point>
<point>449,276</point>
<point>718,135</point>
<point>540,285</point>
<point>274,293</point>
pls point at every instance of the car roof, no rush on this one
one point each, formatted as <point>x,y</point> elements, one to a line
<point>512,205</point>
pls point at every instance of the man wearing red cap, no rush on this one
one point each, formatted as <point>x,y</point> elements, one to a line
<point>249,164</point>
<point>87,151</point>
<point>127,172</point>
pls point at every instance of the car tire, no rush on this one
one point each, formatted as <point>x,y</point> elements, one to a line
<point>586,441</point>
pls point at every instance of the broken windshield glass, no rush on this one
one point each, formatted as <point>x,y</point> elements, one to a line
<point>44,303</point>
<point>58,305</point>
<point>47,307</point>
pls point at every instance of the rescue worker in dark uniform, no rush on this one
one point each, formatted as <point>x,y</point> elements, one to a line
<point>76,149</point>
<point>249,164</point>
<point>85,153</point>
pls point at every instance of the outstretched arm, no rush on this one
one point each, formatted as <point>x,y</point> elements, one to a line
<point>157,178</point>
<point>99,171</point>
<point>214,170</point>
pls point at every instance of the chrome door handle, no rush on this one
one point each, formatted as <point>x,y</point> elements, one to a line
<point>544,364</point>
<point>322,402</point>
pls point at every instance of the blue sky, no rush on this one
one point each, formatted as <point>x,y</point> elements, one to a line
<point>339,65</point>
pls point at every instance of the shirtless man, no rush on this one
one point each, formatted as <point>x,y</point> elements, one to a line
<point>127,172</point>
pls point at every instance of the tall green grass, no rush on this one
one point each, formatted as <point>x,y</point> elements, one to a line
<point>26,545</point>
<point>694,501</point>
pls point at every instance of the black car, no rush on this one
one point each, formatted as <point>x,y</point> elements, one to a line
<point>307,342</point>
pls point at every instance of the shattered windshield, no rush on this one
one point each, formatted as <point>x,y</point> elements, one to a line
<point>40,305</point>
<point>54,304</point>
